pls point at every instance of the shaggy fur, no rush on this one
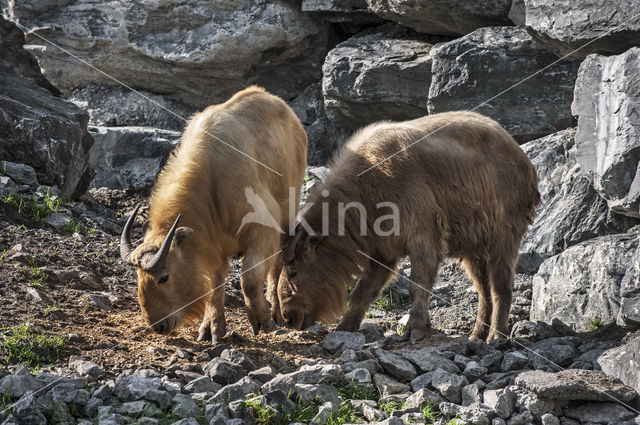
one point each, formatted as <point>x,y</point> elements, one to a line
<point>205,180</point>
<point>466,191</point>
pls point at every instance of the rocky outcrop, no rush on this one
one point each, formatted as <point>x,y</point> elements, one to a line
<point>373,77</point>
<point>444,17</point>
<point>132,157</point>
<point>606,101</point>
<point>485,71</point>
<point>629,314</point>
<point>580,28</point>
<point>197,52</point>
<point>570,211</point>
<point>581,286</point>
<point>45,132</point>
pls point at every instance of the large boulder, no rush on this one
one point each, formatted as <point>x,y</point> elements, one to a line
<point>501,72</point>
<point>606,102</point>
<point>17,58</point>
<point>196,51</point>
<point>623,362</point>
<point>342,11</point>
<point>129,157</point>
<point>570,211</point>
<point>581,286</point>
<point>444,17</point>
<point>579,28</point>
<point>115,106</point>
<point>324,137</point>
<point>377,76</point>
<point>45,132</point>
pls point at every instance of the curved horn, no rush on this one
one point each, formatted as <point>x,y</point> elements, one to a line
<point>149,263</point>
<point>126,247</point>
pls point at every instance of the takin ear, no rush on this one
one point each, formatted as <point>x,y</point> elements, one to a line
<point>181,235</point>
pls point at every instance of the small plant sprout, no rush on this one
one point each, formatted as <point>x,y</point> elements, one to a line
<point>596,323</point>
<point>52,308</point>
<point>37,274</point>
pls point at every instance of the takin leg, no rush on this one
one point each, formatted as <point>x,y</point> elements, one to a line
<point>477,270</point>
<point>272,290</point>
<point>424,268</point>
<point>255,269</point>
<point>366,291</point>
<point>214,326</point>
<point>501,272</point>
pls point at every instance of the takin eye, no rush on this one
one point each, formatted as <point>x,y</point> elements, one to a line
<point>163,279</point>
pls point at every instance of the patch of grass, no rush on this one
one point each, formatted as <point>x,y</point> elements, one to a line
<point>72,227</point>
<point>353,391</point>
<point>37,274</point>
<point>268,415</point>
<point>596,323</point>
<point>23,345</point>
<point>346,414</point>
<point>17,199</point>
<point>302,413</point>
<point>430,412</point>
<point>262,415</point>
<point>390,406</point>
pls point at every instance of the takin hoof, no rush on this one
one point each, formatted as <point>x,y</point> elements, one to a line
<point>415,334</point>
<point>348,325</point>
<point>209,331</point>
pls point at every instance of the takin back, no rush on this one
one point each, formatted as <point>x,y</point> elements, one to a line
<point>233,159</point>
<point>457,184</point>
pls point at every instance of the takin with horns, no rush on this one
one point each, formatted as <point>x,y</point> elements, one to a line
<point>454,185</point>
<point>235,160</point>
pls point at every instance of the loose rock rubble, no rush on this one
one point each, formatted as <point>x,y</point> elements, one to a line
<point>471,382</point>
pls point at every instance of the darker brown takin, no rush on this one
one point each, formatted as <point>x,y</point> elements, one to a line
<point>249,151</point>
<point>462,188</point>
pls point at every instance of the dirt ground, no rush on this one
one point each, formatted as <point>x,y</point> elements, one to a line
<point>56,303</point>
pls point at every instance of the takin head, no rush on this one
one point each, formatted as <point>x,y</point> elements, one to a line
<point>312,285</point>
<point>167,275</point>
